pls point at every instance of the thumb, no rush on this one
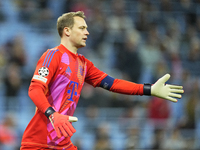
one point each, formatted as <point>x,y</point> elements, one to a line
<point>164,78</point>
<point>73,119</point>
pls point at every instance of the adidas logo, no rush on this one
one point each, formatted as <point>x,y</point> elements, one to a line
<point>68,70</point>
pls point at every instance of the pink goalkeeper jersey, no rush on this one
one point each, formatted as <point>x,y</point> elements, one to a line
<point>63,74</point>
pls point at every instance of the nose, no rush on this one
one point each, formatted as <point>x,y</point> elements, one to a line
<point>87,33</point>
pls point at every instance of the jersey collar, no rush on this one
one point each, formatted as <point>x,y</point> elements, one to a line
<point>63,49</point>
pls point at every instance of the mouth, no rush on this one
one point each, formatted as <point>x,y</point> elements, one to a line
<point>84,39</point>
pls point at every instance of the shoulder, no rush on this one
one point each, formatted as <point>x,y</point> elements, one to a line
<point>50,55</point>
<point>51,52</point>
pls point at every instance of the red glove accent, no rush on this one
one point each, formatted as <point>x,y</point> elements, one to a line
<point>62,125</point>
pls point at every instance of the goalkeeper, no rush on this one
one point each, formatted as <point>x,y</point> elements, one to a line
<point>57,83</point>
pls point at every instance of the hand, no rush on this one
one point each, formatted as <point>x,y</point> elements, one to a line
<point>61,124</point>
<point>169,92</point>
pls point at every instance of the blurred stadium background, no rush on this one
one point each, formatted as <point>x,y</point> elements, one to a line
<point>137,40</point>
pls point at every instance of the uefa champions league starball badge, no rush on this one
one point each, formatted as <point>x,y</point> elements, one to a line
<point>43,71</point>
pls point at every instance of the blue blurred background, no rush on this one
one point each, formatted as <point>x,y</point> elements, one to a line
<point>136,40</point>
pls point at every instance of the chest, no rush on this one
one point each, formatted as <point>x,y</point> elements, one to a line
<point>73,68</point>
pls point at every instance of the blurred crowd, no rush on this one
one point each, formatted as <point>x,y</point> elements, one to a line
<point>136,40</point>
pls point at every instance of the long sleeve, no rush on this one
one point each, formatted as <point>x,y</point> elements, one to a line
<point>37,95</point>
<point>126,87</point>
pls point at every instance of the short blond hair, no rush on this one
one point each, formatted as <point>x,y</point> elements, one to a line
<point>67,20</point>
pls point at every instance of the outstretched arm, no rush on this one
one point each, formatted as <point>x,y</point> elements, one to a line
<point>159,89</point>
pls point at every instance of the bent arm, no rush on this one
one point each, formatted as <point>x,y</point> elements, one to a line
<point>37,95</point>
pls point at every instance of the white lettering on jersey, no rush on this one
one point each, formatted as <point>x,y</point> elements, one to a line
<point>37,77</point>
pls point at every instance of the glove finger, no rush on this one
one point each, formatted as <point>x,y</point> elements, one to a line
<point>171,99</point>
<point>67,129</point>
<point>164,78</point>
<point>73,119</point>
<point>63,130</point>
<point>58,132</point>
<point>73,130</point>
<point>175,95</point>
<point>174,86</point>
<point>177,90</point>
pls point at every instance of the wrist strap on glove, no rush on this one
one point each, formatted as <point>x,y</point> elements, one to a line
<point>147,89</point>
<point>49,112</point>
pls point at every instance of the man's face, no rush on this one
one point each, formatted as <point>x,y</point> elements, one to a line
<point>79,33</point>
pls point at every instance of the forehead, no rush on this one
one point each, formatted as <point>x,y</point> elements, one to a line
<point>78,21</point>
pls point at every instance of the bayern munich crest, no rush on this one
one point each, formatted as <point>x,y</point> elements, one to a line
<point>43,71</point>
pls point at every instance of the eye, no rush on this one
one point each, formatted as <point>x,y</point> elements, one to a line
<point>83,27</point>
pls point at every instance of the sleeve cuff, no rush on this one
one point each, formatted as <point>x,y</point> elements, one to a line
<point>147,89</point>
<point>49,111</point>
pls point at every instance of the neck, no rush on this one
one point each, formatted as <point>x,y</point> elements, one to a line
<point>69,46</point>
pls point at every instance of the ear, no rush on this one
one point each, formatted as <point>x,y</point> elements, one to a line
<point>67,31</point>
